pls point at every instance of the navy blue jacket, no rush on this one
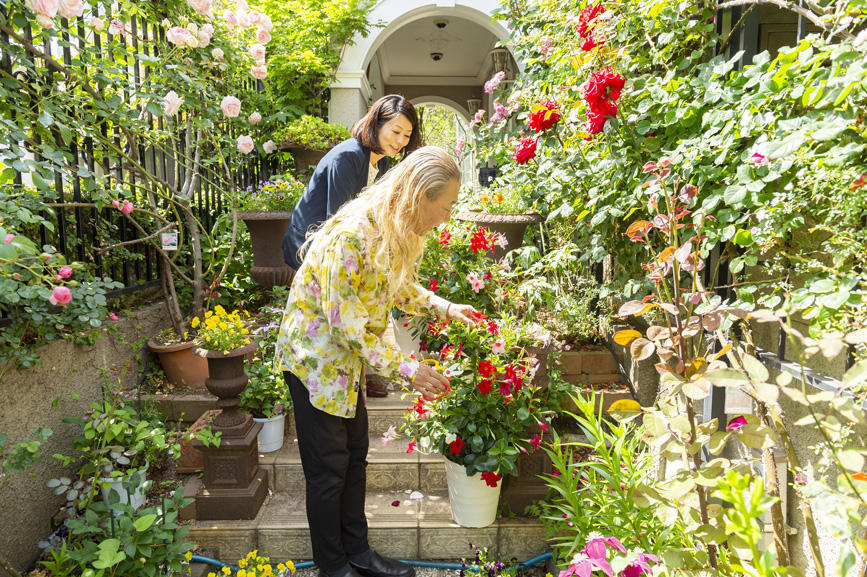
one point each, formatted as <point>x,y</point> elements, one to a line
<point>338,178</point>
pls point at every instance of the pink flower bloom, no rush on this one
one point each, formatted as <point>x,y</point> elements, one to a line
<point>257,51</point>
<point>265,22</point>
<point>115,203</point>
<point>245,144</point>
<point>389,435</point>
<point>65,272</point>
<point>254,118</point>
<point>61,296</point>
<point>126,207</point>
<point>45,11</point>
<point>395,503</point>
<point>641,566</point>
<point>179,36</point>
<point>116,27</point>
<point>500,113</point>
<point>172,103</point>
<point>263,36</point>
<point>230,106</point>
<point>759,159</point>
<point>459,147</point>
<point>546,47</point>
<point>259,72</point>
<point>736,424</point>
<point>9,237</point>
<point>494,82</point>
<point>499,347</point>
<point>98,24</point>
<point>477,117</point>
<point>536,441</point>
<point>71,9</point>
<point>112,317</point>
<point>269,146</point>
<point>231,19</point>
<point>201,6</point>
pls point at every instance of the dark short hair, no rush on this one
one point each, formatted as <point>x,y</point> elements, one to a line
<point>366,130</point>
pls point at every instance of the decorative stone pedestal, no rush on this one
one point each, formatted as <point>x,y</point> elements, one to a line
<point>235,485</point>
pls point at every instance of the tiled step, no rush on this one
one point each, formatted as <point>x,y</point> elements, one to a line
<point>421,529</point>
<point>389,468</point>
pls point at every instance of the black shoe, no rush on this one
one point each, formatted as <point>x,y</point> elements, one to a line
<point>372,564</point>
<point>345,571</point>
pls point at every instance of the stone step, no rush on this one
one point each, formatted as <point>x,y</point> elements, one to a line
<point>389,468</point>
<point>414,529</point>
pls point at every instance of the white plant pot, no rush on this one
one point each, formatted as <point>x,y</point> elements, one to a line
<point>119,485</point>
<point>271,435</point>
<point>473,502</point>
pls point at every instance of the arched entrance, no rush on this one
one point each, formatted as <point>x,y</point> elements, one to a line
<point>428,50</point>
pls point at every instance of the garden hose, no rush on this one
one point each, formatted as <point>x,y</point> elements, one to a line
<point>428,564</point>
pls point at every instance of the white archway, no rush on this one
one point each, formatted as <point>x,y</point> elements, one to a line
<point>442,101</point>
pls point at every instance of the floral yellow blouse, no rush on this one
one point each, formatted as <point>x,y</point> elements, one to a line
<point>334,319</point>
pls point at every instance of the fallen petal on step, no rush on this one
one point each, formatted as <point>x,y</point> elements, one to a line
<point>416,495</point>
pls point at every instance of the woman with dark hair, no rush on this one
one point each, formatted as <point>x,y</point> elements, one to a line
<point>389,128</point>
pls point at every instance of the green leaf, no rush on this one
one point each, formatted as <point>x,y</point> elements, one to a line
<point>743,237</point>
<point>727,378</point>
<point>144,522</point>
<point>785,147</point>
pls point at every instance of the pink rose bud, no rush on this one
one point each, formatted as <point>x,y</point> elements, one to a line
<point>112,317</point>
<point>115,203</point>
<point>8,239</point>
<point>127,207</point>
<point>65,272</point>
<point>16,276</point>
<point>736,424</point>
<point>61,296</point>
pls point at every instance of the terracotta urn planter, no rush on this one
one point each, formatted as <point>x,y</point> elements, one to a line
<point>183,369</point>
<point>510,225</point>
<point>266,232</point>
<point>235,485</point>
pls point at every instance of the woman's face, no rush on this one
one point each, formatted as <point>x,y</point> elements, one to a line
<point>394,135</point>
<point>436,212</point>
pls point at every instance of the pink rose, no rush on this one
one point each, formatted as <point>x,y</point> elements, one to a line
<point>112,317</point>
<point>172,103</point>
<point>736,424</point>
<point>8,239</point>
<point>245,144</point>
<point>201,6</point>
<point>254,17</point>
<point>203,39</point>
<point>494,82</point>
<point>259,72</point>
<point>263,36</point>
<point>71,8</point>
<point>179,36</point>
<point>116,27</point>
<point>61,296</point>
<point>269,147</point>
<point>98,24</point>
<point>127,207</point>
<point>230,106</point>
<point>255,118</point>
<point>115,203</point>
<point>257,51</point>
<point>265,22</point>
<point>231,19</point>
<point>65,272</point>
<point>45,11</point>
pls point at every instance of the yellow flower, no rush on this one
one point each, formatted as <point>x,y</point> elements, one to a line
<point>484,198</point>
<point>291,566</point>
<point>241,572</point>
<point>281,567</point>
<point>212,574</point>
<point>500,197</point>
<point>195,322</point>
<point>226,570</point>
<point>241,563</point>
<point>188,556</point>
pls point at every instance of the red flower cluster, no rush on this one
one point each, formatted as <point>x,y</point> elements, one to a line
<point>445,236</point>
<point>479,241</point>
<point>525,150</point>
<point>600,92</point>
<point>585,26</point>
<point>486,368</point>
<point>493,328</point>
<point>491,478</point>
<point>544,115</point>
<point>456,446</point>
<point>433,284</point>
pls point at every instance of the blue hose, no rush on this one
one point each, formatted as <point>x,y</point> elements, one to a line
<point>431,564</point>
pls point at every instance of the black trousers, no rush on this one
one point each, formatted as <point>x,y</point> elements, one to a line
<point>333,456</point>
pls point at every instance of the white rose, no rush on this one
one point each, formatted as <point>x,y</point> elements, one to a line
<point>217,53</point>
<point>265,22</point>
<point>257,51</point>
<point>259,72</point>
<point>172,103</point>
<point>204,39</point>
<point>245,144</point>
<point>269,147</point>
<point>255,118</point>
<point>97,24</point>
<point>178,36</point>
<point>230,106</point>
<point>71,8</point>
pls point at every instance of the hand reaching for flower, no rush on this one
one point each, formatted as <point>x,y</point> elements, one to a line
<point>429,383</point>
<point>463,313</point>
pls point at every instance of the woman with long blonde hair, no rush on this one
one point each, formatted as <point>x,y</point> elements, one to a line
<point>355,268</point>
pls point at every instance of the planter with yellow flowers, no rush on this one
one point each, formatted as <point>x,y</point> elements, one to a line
<point>234,484</point>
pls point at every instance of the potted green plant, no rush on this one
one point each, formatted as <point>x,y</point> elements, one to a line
<point>266,209</point>
<point>308,139</point>
<point>503,209</point>
<point>266,399</point>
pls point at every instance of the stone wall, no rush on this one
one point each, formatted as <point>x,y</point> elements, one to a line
<point>42,397</point>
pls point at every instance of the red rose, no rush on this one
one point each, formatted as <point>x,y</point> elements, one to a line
<point>544,115</point>
<point>588,44</point>
<point>595,123</point>
<point>525,150</point>
<point>586,17</point>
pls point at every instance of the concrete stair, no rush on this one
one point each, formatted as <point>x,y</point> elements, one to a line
<point>420,528</point>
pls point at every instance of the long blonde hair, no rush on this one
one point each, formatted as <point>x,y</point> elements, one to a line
<point>394,205</point>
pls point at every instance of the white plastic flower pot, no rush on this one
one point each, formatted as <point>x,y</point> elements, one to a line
<point>271,435</point>
<point>120,485</point>
<point>473,502</point>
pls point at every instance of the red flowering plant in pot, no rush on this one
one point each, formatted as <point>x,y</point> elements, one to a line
<point>482,421</point>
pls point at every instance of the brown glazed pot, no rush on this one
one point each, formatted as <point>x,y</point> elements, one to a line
<point>510,225</point>
<point>182,368</point>
<point>267,229</point>
<point>226,381</point>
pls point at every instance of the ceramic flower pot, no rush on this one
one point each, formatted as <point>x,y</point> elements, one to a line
<point>271,435</point>
<point>512,226</point>
<point>473,502</point>
<point>183,369</point>
<point>266,233</point>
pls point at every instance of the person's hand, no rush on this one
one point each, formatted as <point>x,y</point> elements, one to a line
<point>464,314</point>
<point>429,383</point>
